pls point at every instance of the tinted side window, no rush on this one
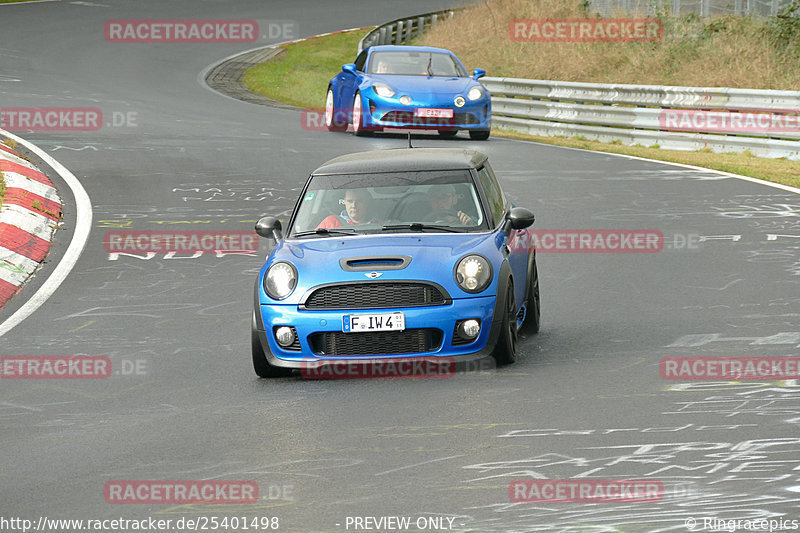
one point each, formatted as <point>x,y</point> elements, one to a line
<point>493,193</point>
<point>361,61</point>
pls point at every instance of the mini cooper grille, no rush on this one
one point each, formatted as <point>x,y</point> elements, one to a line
<point>374,296</point>
<point>376,342</point>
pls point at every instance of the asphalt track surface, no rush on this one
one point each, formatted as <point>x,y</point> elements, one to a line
<point>584,400</point>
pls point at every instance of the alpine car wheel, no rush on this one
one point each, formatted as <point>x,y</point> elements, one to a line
<point>358,119</point>
<point>505,351</point>
<point>332,122</point>
<point>260,364</point>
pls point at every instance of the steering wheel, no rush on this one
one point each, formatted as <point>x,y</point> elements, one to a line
<point>443,215</point>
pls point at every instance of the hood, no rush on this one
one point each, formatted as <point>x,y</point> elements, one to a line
<point>422,86</point>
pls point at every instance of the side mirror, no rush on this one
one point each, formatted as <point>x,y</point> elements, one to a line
<point>350,68</point>
<point>478,73</point>
<point>270,228</point>
<point>520,218</point>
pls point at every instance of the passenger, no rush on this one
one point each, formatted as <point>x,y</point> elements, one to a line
<point>443,200</point>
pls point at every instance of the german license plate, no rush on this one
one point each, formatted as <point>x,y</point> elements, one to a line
<point>374,322</point>
<point>433,113</point>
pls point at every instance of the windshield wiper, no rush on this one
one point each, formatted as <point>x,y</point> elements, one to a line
<point>325,231</point>
<point>416,226</point>
<point>428,68</point>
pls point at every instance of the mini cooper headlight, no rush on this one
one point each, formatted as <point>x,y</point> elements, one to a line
<point>383,90</point>
<point>280,280</point>
<point>473,273</point>
<point>475,93</point>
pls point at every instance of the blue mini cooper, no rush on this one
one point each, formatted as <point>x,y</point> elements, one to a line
<point>404,253</point>
<point>417,87</point>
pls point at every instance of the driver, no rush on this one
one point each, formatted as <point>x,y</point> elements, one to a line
<point>384,67</point>
<point>358,209</point>
<point>443,200</point>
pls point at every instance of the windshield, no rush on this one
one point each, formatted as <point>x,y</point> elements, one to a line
<point>409,63</point>
<point>389,202</point>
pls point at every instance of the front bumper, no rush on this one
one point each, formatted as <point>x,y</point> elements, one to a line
<point>383,112</point>
<point>439,323</point>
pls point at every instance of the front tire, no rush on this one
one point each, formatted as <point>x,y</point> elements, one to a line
<point>332,122</point>
<point>533,304</point>
<point>505,351</point>
<point>260,364</point>
<point>479,135</point>
<point>358,118</point>
<point>447,134</point>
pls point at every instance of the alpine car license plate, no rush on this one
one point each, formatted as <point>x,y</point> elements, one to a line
<point>374,322</point>
<point>433,112</point>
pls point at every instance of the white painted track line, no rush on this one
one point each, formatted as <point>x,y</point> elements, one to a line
<point>83,227</point>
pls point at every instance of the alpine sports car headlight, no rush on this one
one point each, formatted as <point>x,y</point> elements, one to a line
<point>473,273</point>
<point>383,90</point>
<point>280,280</point>
<point>475,93</point>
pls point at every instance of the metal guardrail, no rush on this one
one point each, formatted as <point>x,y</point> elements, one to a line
<point>732,120</point>
<point>403,30</point>
<point>704,8</point>
<point>632,114</point>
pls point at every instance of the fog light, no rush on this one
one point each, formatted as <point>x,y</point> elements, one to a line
<point>470,328</point>
<point>284,335</point>
<point>405,100</point>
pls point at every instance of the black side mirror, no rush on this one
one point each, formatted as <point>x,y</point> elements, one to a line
<point>270,228</point>
<point>520,218</point>
<point>350,68</point>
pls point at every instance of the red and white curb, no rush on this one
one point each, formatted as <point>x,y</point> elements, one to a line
<point>29,217</point>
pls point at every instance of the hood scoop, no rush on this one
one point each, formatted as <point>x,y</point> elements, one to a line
<point>374,262</point>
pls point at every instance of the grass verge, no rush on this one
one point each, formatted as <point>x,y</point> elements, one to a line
<point>11,144</point>
<point>716,51</point>
<point>300,75</point>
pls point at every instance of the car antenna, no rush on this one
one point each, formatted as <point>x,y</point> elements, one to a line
<point>409,140</point>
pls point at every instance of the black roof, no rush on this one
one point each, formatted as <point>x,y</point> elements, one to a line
<point>403,160</point>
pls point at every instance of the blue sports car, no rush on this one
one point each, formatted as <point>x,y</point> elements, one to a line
<point>405,253</point>
<point>408,87</point>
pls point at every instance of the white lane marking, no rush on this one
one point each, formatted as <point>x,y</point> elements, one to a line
<point>788,188</point>
<point>419,464</point>
<point>83,226</point>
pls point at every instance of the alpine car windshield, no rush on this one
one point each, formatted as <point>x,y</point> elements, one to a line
<point>430,201</point>
<point>410,63</point>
